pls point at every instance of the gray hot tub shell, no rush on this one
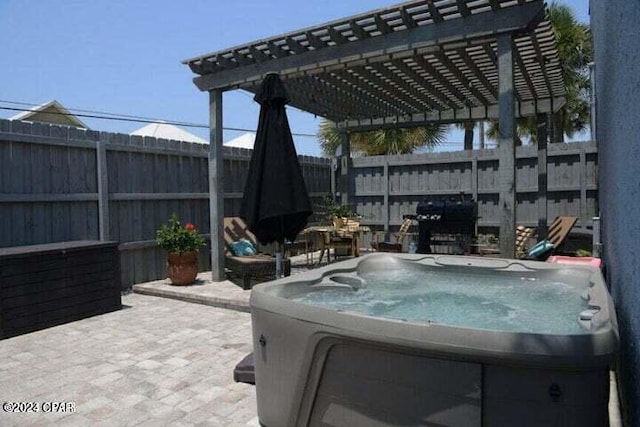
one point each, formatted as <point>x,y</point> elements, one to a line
<point>322,367</point>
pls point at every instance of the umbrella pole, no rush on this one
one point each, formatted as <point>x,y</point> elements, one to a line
<point>278,260</point>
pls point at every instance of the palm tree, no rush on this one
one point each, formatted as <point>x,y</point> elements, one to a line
<point>573,41</point>
<point>524,126</point>
<point>383,141</point>
<point>468,128</point>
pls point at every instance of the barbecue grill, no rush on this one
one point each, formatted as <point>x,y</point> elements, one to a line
<point>445,217</point>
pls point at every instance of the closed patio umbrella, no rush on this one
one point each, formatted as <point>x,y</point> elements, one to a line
<point>275,204</point>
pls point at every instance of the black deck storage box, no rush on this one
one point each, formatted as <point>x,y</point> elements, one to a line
<point>47,285</point>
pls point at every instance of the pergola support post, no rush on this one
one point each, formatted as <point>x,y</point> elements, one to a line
<point>507,152</point>
<point>216,186</point>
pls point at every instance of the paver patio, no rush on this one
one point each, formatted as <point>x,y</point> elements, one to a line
<point>156,362</point>
<point>159,361</point>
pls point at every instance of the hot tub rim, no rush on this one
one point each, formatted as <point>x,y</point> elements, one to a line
<point>596,347</point>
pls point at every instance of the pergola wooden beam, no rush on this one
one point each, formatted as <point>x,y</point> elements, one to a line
<point>506,147</point>
<point>216,181</point>
<point>480,113</point>
<point>505,20</point>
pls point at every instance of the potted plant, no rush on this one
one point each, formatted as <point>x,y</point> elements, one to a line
<point>182,244</point>
<point>338,213</point>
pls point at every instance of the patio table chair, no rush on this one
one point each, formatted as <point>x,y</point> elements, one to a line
<point>396,246</point>
<point>344,237</point>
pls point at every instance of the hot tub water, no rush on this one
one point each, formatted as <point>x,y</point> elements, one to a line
<point>517,303</point>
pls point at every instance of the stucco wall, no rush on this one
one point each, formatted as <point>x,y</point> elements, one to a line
<point>616,35</point>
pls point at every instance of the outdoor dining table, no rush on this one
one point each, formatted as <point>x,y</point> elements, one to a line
<point>326,231</point>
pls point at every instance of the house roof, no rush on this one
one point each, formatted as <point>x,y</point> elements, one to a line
<point>246,140</point>
<point>416,62</point>
<point>168,131</point>
<point>50,112</point>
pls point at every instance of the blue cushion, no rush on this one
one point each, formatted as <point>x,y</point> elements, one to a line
<point>242,247</point>
<point>540,249</point>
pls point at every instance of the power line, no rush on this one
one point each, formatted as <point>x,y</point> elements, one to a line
<point>101,115</point>
<point>136,119</point>
<point>107,114</point>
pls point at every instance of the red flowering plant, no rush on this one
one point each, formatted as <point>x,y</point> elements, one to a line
<point>175,238</point>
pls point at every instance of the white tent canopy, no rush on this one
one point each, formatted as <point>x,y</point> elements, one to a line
<point>167,131</point>
<point>246,140</point>
<point>50,112</point>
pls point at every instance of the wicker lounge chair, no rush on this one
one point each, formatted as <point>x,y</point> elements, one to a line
<point>260,266</point>
<point>523,234</point>
<point>559,229</point>
<point>557,234</point>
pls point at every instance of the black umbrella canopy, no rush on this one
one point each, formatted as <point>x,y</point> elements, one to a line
<point>276,204</point>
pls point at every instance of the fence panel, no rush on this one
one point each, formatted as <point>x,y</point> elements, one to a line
<point>572,184</point>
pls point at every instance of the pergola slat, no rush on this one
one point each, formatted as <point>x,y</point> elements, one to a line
<point>455,72</point>
<point>258,55</point>
<point>523,72</point>
<point>294,46</point>
<point>434,12</point>
<point>406,94</point>
<point>358,31</point>
<point>462,7</point>
<point>420,80</point>
<point>407,20</point>
<point>478,75</point>
<point>430,70</point>
<point>315,41</point>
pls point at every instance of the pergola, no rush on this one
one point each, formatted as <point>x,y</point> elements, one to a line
<point>417,63</point>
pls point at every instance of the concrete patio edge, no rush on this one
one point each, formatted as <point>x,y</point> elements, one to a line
<point>225,294</point>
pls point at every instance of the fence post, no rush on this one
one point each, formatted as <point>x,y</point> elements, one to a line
<point>474,178</point>
<point>543,121</point>
<point>345,168</point>
<point>597,245</point>
<point>103,187</point>
<point>385,199</point>
<point>583,188</point>
<point>474,187</point>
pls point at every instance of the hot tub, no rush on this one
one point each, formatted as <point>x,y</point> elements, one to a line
<point>409,339</point>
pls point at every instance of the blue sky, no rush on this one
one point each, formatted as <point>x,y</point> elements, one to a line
<point>124,56</point>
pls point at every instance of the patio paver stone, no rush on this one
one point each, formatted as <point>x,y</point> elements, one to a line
<point>117,372</point>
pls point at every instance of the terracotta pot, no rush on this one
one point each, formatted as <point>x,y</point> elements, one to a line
<point>338,222</point>
<point>182,269</point>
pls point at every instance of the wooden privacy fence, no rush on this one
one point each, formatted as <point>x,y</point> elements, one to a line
<point>59,184</point>
<point>385,188</point>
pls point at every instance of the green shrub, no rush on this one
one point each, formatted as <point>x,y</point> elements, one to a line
<point>174,238</point>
